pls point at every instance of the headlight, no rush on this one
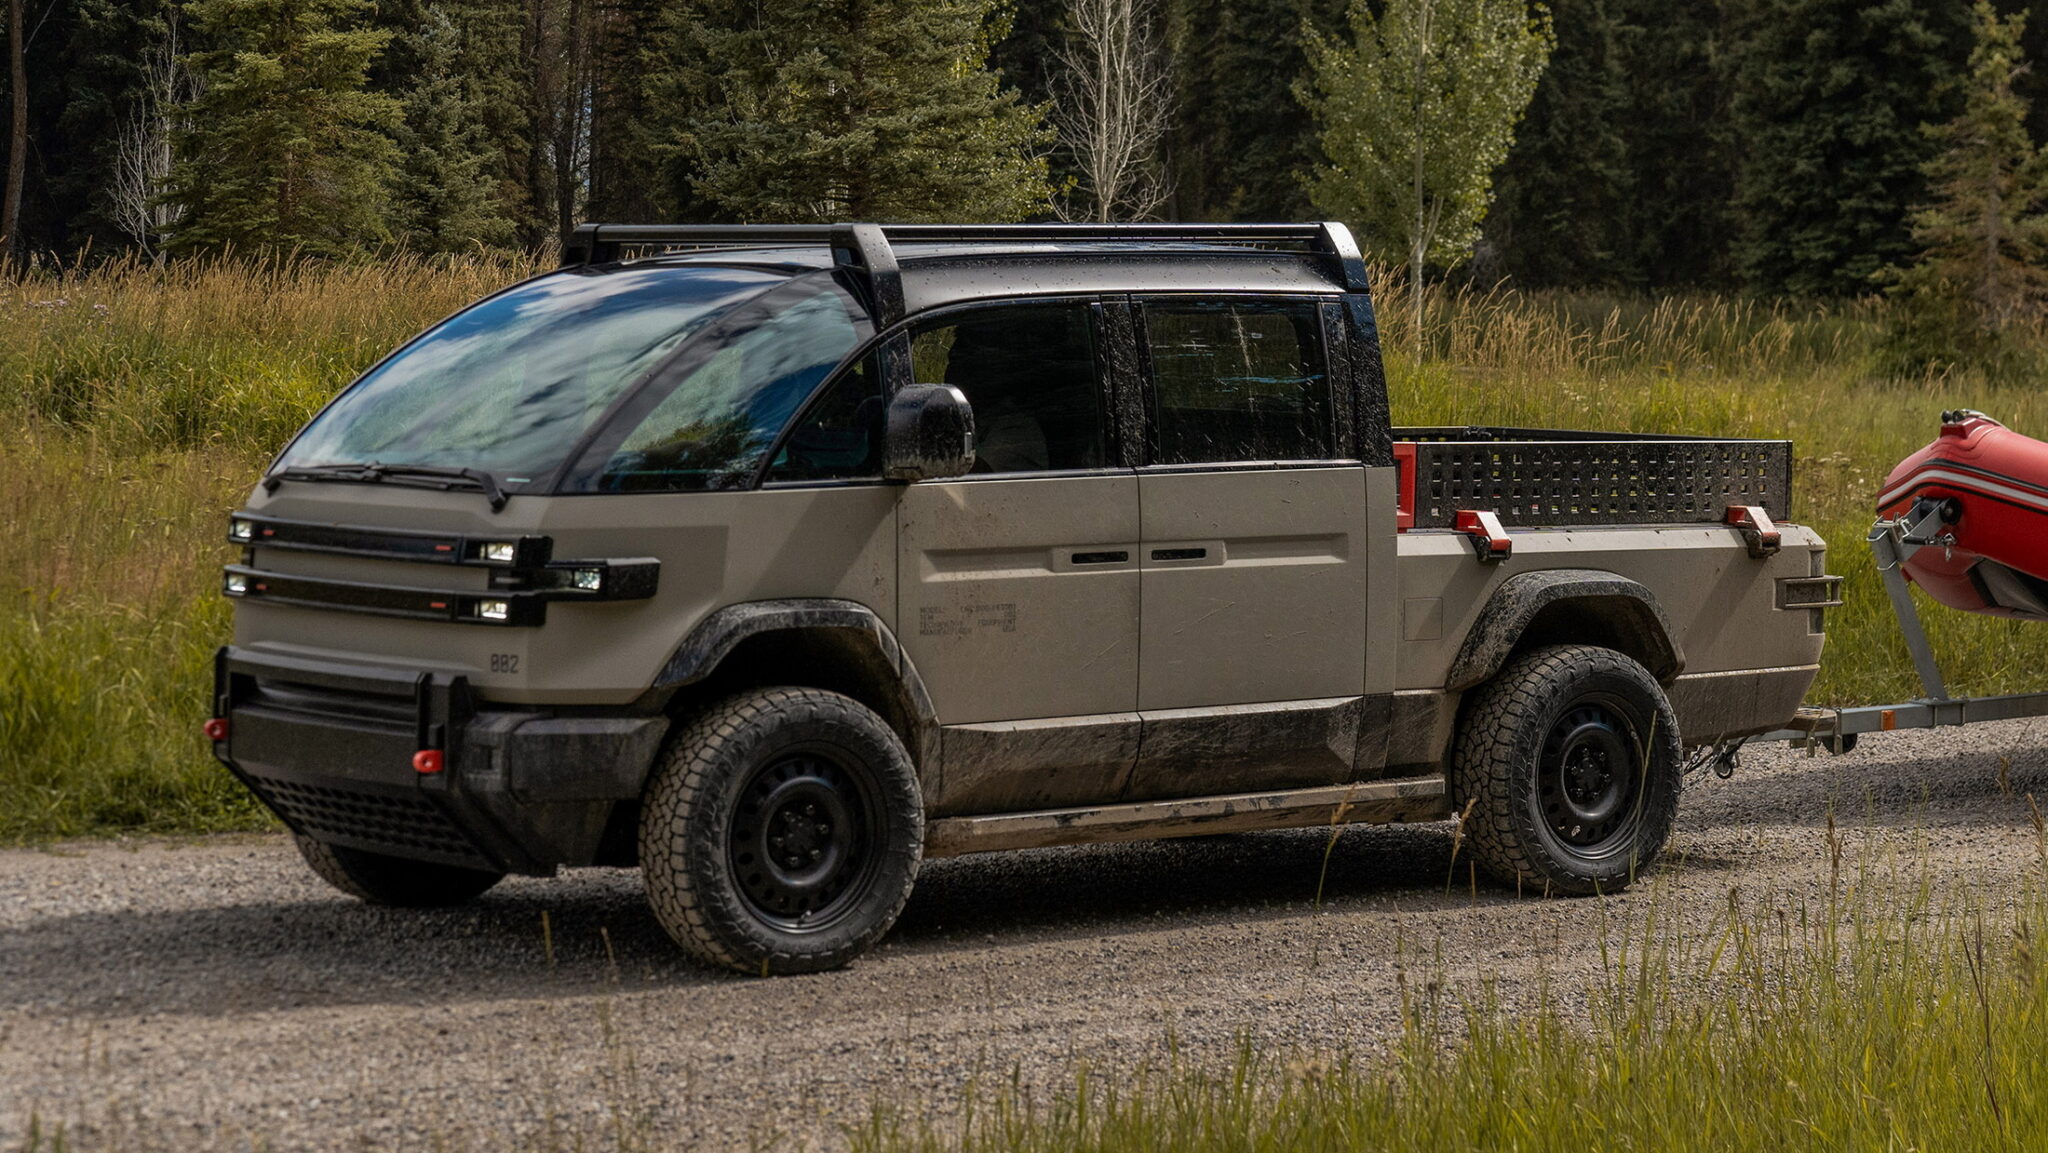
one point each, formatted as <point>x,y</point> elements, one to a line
<point>587,579</point>
<point>241,530</point>
<point>237,584</point>
<point>496,552</point>
<point>493,610</point>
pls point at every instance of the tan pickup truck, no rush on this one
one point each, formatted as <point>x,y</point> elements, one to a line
<point>777,559</point>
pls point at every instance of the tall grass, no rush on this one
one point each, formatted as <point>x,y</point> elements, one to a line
<point>1892,1017</point>
<point>214,353</point>
<point>139,402</point>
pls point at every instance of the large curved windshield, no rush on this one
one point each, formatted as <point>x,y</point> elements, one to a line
<point>512,384</point>
<point>709,420</point>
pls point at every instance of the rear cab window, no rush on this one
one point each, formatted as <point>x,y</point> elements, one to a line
<point>1238,381</point>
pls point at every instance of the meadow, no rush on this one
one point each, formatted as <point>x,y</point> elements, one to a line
<point>140,403</point>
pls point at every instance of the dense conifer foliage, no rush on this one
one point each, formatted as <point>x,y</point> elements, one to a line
<point>1774,146</point>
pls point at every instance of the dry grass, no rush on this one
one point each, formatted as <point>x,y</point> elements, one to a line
<point>1885,1016</point>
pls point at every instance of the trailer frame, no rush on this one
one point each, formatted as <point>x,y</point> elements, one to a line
<point>1892,542</point>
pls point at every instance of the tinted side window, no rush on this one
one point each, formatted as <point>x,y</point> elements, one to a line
<point>1030,372</point>
<point>840,436</point>
<point>1238,381</point>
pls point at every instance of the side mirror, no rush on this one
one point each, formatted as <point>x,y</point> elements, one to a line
<point>930,434</point>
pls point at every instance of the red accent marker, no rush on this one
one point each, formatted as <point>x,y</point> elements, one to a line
<point>428,761</point>
<point>444,548</point>
<point>437,604</point>
<point>1404,487</point>
<point>216,729</point>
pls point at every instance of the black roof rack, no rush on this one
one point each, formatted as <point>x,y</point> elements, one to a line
<point>867,248</point>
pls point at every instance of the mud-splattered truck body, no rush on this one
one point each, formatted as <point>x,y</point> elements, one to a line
<point>774,560</point>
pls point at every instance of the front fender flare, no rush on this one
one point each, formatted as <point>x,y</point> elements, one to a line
<point>1625,607</point>
<point>717,635</point>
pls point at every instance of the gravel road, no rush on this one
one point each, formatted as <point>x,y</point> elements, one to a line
<point>210,993</point>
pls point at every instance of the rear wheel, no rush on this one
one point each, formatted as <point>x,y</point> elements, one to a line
<point>1570,760</point>
<point>383,880</point>
<point>781,832</point>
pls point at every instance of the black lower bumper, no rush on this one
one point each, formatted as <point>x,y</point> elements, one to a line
<point>330,748</point>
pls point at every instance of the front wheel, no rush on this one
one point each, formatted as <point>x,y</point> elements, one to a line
<point>1570,761</point>
<point>781,832</point>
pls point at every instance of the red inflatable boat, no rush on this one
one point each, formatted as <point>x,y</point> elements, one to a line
<point>1987,550</point>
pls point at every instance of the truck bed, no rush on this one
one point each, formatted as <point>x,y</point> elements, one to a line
<point>1532,477</point>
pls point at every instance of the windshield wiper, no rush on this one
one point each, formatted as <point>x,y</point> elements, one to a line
<point>450,477</point>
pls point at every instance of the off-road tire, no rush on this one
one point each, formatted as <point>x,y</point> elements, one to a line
<point>1533,758</point>
<point>383,880</point>
<point>724,786</point>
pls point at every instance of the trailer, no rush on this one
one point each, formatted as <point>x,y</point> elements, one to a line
<point>1893,542</point>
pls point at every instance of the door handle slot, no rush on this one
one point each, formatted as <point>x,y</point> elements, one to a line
<point>1106,556</point>
<point>1179,553</point>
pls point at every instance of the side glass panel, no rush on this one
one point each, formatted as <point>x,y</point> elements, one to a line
<point>1239,381</point>
<point>711,428</point>
<point>840,436</point>
<point>1031,373</point>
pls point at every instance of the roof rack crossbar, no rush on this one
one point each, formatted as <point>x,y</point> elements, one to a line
<point>867,248</point>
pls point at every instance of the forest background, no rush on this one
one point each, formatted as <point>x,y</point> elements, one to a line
<point>1770,146</point>
<point>1823,220</point>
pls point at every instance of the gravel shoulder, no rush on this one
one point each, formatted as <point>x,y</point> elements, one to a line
<point>210,992</point>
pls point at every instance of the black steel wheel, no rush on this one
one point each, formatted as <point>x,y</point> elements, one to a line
<point>1588,779</point>
<point>804,840</point>
<point>1570,760</point>
<point>781,832</point>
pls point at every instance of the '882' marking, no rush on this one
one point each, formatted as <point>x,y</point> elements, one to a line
<point>504,662</point>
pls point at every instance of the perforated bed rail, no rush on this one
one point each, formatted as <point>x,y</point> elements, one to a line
<point>1545,477</point>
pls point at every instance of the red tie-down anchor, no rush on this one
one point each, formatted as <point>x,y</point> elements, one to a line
<point>1758,531</point>
<point>1489,540</point>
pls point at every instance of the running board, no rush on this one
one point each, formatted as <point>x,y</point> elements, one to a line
<point>1365,802</point>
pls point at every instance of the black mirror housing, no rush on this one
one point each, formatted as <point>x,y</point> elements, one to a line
<point>930,433</point>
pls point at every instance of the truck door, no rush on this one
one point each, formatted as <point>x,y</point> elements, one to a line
<point>1253,560</point>
<point>1018,583</point>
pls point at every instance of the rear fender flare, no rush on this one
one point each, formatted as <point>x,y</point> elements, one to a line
<point>1625,613</point>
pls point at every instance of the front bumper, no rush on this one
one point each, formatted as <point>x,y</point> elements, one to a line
<point>329,747</point>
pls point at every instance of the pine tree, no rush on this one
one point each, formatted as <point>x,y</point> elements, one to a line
<point>444,195</point>
<point>1418,109</point>
<point>626,132</point>
<point>1242,145</point>
<point>286,149</point>
<point>1828,101</point>
<point>1683,153</point>
<point>862,109</point>
<point>1565,190</point>
<point>1983,239</point>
